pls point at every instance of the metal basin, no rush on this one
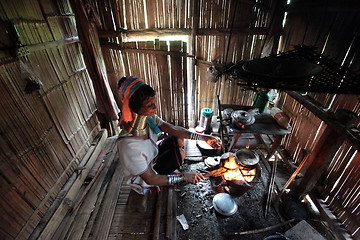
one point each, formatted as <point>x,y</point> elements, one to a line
<point>225,204</point>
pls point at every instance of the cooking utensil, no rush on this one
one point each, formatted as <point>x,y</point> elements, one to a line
<point>206,149</point>
<point>226,113</point>
<point>224,204</point>
<point>247,158</point>
<point>272,69</point>
<point>241,117</point>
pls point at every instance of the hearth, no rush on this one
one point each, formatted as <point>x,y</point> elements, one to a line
<point>236,172</point>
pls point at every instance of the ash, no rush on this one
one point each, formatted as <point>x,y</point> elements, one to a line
<point>195,202</point>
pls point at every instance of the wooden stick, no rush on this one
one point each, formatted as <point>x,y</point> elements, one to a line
<point>157,220</point>
<point>271,185</point>
<point>88,188</point>
<point>223,150</point>
<point>261,230</point>
<point>293,176</point>
<point>170,231</point>
<point>215,172</point>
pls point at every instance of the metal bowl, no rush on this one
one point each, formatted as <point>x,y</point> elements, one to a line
<point>225,204</point>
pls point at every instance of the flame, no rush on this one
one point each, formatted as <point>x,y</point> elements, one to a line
<point>236,172</point>
<point>248,146</point>
<point>231,163</point>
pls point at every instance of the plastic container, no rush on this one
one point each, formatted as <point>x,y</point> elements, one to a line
<point>280,117</point>
<point>261,100</point>
<point>205,119</point>
<point>200,130</point>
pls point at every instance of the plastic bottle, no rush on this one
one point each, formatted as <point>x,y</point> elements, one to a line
<point>261,100</point>
<point>280,117</point>
<point>205,119</point>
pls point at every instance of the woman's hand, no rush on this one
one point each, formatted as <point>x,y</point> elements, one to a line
<point>193,177</point>
<point>214,142</point>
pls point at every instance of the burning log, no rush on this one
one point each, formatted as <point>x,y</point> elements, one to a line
<point>235,174</point>
<point>216,173</point>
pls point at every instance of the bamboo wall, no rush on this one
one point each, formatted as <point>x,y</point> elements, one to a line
<point>45,132</point>
<point>333,29</point>
<point>166,74</point>
<point>211,47</point>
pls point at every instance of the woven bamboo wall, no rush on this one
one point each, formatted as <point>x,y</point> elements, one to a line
<point>45,132</point>
<point>333,29</point>
<point>211,47</point>
<point>166,74</point>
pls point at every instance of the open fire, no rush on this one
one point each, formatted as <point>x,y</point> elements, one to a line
<point>237,172</point>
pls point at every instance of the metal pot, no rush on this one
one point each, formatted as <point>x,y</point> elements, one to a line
<point>247,158</point>
<point>241,118</point>
<point>226,113</point>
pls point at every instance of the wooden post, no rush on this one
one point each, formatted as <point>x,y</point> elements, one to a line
<point>192,43</point>
<point>319,158</point>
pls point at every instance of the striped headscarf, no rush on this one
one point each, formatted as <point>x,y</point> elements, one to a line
<point>127,89</point>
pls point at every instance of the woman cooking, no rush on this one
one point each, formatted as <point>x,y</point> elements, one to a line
<point>144,163</point>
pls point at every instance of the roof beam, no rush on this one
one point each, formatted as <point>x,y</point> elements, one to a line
<point>184,31</point>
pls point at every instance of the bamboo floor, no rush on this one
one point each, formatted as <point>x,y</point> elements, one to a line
<point>110,210</point>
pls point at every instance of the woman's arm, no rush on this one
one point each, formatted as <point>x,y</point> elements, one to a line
<point>152,178</point>
<point>181,132</point>
<point>176,131</point>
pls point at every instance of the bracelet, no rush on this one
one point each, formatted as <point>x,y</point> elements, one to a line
<point>175,178</point>
<point>196,136</point>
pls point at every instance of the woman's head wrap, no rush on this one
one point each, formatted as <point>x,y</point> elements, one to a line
<point>127,89</point>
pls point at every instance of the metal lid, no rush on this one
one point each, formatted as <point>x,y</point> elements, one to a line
<point>225,204</point>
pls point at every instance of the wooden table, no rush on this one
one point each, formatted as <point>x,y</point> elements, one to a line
<point>264,124</point>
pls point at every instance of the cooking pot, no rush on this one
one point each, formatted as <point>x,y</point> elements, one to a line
<point>226,113</point>
<point>206,149</point>
<point>241,118</point>
<point>247,158</point>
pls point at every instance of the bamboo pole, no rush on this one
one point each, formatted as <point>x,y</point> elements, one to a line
<point>271,186</point>
<point>256,231</point>
<point>157,218</point>
<point>57,216</point>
